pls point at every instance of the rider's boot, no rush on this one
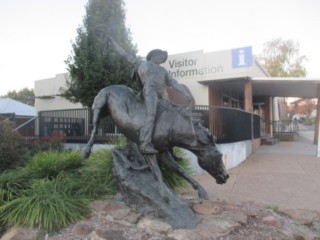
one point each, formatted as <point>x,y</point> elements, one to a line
<point>147,148</point>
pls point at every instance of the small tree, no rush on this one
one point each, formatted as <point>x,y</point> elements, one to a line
<point>92,65</point>
<point>281,59</point>
<point>12,146</point>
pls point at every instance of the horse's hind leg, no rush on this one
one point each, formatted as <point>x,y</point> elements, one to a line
<point>167,159</point>
<point>96,119</point>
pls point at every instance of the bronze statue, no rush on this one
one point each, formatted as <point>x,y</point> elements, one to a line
<point>156,125</point>
<point>154,79</point>
<point>173,127</point>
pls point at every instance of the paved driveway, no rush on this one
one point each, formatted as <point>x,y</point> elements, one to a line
<point>286,175</point>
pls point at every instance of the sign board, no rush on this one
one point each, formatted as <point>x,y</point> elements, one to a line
<point>200,66</point>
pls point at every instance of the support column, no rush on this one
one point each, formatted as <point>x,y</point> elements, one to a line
<point>267,116</point>
<point>215,94</point>
<point>275,108</point>
<point>215,99</point>
<point>248,105</point>
<point>316,126</point>
<point>248,95</point>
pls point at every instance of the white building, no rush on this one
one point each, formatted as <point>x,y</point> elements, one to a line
<point>48,95</point>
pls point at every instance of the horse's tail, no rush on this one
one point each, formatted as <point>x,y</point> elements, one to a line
<point>100,102</point>
<point>100,110</point>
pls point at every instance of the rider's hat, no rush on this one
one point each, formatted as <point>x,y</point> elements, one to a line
<point>157,51</point>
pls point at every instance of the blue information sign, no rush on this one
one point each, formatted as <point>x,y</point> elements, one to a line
<point>242,57</point>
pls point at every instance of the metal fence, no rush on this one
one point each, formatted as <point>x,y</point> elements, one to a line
<point>25,126</point>
<point>75,125</point>
<point>229,124</point>
<point>285,126</point>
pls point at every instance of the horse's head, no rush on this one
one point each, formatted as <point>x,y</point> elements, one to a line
<point>209,157</point>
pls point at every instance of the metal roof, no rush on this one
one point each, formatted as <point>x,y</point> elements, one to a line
<point>8,105</point>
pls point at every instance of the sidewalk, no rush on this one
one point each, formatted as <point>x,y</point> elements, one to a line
<point>286,175</point>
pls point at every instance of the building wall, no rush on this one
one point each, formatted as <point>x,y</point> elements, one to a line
<point>197,70</point>
<point>47,93</point>
<point>233,155</point>
<point>194,69</point>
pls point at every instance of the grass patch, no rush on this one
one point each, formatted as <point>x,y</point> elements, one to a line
<point>49,164</point>
<point>47,204</point>
<point>11,181</point>
<point>97,176</point>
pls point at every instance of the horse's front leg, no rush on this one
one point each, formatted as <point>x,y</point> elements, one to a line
<point>167,159</point>
<point>154,167</point>
<point>96,119</point>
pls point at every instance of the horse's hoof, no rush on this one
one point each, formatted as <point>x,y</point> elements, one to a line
<point>85,154</point>
<point>148,149</point>
<point>203,195</point>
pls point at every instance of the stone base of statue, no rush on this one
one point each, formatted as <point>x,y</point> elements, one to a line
<point>138,188</point>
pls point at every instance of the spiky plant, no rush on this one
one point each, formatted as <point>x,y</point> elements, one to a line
<point>49,164</point>
<point>97,175</point>
<point>47,204</point>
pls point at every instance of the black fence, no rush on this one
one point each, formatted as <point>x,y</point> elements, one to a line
<point>26,128</point>
<point>229,124</point>
<point>75,125</point>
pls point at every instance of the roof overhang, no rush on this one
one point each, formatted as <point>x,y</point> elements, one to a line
<point>273,86</point>
<point>285,87</point>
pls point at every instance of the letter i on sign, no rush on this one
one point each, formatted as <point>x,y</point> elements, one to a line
<point>241,60</point>
<point>241,57</point>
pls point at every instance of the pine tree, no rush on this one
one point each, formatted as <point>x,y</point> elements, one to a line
<point>93,65</point>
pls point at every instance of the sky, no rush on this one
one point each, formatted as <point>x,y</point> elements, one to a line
<point>36,35</point>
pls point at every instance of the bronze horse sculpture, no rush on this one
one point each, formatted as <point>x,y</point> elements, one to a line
<point>173,128</point>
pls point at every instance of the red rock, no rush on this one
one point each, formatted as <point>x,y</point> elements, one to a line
<point>271,220</point>
<point>207,208</point>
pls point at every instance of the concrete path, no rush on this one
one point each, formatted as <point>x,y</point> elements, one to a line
<point>286,175</point>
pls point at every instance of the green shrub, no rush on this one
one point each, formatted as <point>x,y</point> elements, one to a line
<point>47,204</point>
<point>12,146</point>
<point>119,141</point>
<point>54,188</point>
<point>43,145</point>
<point>11,181</point>
<point>49,164</point>
<point>309,121</point>
<point>97,175</point>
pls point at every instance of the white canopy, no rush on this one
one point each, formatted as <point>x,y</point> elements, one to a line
<point>8,105</point>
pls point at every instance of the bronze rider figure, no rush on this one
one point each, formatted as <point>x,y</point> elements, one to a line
<point>154,79</point>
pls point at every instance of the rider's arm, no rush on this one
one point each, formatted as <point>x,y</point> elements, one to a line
<point>177,86</point>
<point>129,58</point>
